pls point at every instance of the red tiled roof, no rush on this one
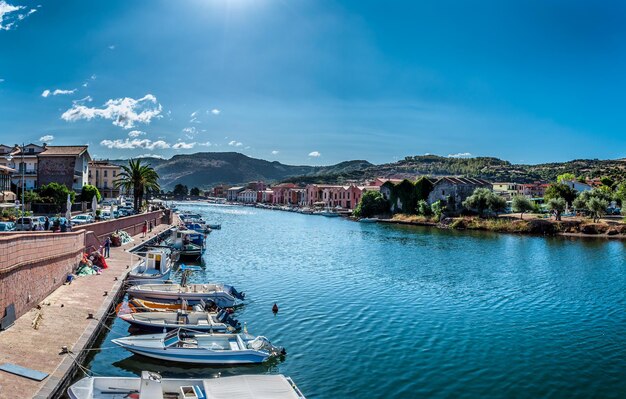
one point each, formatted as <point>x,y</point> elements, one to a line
<point>63,150</point>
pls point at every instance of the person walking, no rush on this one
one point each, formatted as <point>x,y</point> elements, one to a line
<point>144,230</point>
<point>107,246</point>
<point>151,226</point>
<point>46,224</point>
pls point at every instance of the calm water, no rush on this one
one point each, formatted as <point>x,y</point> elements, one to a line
<point>373,311</point>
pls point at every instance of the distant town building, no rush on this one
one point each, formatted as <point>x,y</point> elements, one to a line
<point>42,164</point>
<point>103,174</point>
<point>507,190</point>
<point>256,186</point>
<point>579,187</point>
<point>219,191</point>
<point>265,196</point>
<point>452,191</point>
<point>281,193</point>
<point>247,196</point>
<point>6,195</point>
<point>67,165</point>
<point>232,193</point>
<point>533,190</point>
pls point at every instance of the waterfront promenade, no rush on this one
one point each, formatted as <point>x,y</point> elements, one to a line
<point>63,322</point>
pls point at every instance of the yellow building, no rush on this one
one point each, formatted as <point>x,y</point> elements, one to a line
<point>103,174</point>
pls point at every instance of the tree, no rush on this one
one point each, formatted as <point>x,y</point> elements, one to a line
<point>438,208</point>
<point>88,192</point>
<point>607,182</point>
<point>57,194</point>
<point>195,192</point>
<point>597,207</point>
<point>557,205</point>
<point>483,199</point>
<point>522,205</point>
<point>560,190</point>
<point>371,203</point>
<point>180,190</point>
<point>137,177</point>
<point>496,204</point>
<point>31,197</point>
<point>620,193</point>
<point>423,208</point>
<point>565,177</point>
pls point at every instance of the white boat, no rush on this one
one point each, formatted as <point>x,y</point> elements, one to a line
<point>218,322</point>
<point>184,346</point>
<point>214,226</point>
<point>154,267</point>
<point>328,213</point>
<point>368,220</point>
<point>224,296</point>
<point>152,386</point>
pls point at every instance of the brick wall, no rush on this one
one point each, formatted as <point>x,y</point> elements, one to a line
<point>32,265</point>
<point>56,169</point>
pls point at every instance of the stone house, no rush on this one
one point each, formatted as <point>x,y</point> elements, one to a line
<point>452,191</point>
<point>67,165</point>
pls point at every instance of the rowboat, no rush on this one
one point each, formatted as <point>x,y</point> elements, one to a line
<point>154,267</point>
<point>141,305</point>
<point>184,346</point>
<point>224,296</point>
<point>218,322</point>
<point>368,220</point>
<point>152,386</point>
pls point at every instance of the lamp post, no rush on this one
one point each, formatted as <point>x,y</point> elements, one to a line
<point>23,167</point>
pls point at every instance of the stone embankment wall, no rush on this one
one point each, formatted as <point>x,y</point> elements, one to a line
<point>97,232</point>
<point>32,265</point>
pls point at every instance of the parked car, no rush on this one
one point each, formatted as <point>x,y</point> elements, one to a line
<point>7,226</point>
<point>54,219</point>
<point>105,215</point>
<point>83,218</point>
<point>27,223</point>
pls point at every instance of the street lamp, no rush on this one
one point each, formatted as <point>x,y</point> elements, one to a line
<point>23,167</point>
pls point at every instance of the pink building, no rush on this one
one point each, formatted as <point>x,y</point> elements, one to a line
<point>332,196</point>
<point>281,193</point>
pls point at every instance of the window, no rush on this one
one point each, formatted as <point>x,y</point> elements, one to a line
<point>443,192</point>
<point>114,172</point>
<point>105,173</point>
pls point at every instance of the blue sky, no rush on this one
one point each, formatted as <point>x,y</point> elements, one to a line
<point>317,82</point>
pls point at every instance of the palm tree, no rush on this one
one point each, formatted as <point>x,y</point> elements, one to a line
<point>137,177</point>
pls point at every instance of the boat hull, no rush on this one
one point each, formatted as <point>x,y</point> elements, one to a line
<point>200,356</point>
<point>192,298</point>
<point>137,279</point>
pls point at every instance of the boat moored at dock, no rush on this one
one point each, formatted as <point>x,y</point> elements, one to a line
<point>154,267</point>
<point>218,322</point>
<point>185,346</point>
<point>152,386</point>
<point>224,296</point>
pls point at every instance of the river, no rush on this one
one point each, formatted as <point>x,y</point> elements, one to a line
<point>385,311</point>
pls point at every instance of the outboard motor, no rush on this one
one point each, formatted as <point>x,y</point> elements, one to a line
<point>237,294</point>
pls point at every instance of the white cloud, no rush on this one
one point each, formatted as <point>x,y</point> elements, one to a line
<point>86,99</point>
<point>136,133</point>
<point>47,138</point>
<point>315,154</point>
<point>57,92</point>
<point>124,112</point>
<point>134,143</point>
<point>181,145</point>
<point>275,152</point>
<point>235,143</point>
<point>193,114</point>
<point>92,77</point>
<point>11,14</point>
<point>460,155</point>
<point>207,144</point>
<point>149,156</point>
<point>1,80</point>
<point>215,111</point>
<point>190,132</point>
<point>112,47</point>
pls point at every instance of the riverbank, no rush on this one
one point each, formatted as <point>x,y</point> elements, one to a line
<point>509,224</point>
<point>62,319</point>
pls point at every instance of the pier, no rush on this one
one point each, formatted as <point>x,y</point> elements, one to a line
<point>71,317</point>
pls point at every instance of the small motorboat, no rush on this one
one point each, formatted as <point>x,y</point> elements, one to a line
<point>154,267</point>
<point>152,386</point>
<point>224,296</point>
<point>368,220</point>
<point>217,322</point>
<point>189,243</point>
<point>214,226</point>
<point>141,305</point>
<point>198,227</point>
<point>184,346</point>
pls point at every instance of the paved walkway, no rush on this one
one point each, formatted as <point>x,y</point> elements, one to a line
<point>64,323</point>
